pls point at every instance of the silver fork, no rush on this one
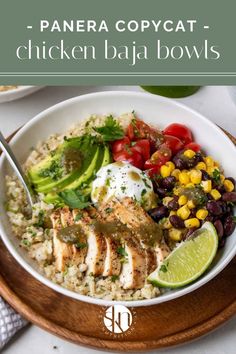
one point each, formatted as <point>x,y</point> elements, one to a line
<point>18,170</point>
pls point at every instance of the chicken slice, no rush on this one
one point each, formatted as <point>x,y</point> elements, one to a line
<point>112,264</point>
<point>134,271</point>
<point>96,255</point>
<point>151,260</point>
<point>65,252</point>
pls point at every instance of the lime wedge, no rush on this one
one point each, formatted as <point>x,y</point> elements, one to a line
<point>172,91</point>
<point>189,260</point>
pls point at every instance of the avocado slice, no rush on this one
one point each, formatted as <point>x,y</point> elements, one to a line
<point>80,175</point>
<point>104,158</point>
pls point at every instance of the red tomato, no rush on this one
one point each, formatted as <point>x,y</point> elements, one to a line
<point>159,158</point>
<point>143,147</point>
<point>193,146</point>
<point>180,131</point>
<point>153,171</point>
<point>133,157</point>
<point>137,130</point>
<point>120,144</point>
<point>174,143</point>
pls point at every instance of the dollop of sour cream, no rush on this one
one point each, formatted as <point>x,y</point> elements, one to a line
<point>120,180</point>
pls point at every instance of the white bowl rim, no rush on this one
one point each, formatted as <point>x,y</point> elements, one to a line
<point>132,303</point>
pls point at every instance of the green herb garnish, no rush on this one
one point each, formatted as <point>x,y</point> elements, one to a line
<point>74,199</point>
<point>80,245</point>
<point>54,171</point>
<point>108,210</point>
<point>40,221</point>
<point>163,268</point>
<point>111,130</point>
<point>114,278</point>
<point>121,251</point>
<point>216,176</point>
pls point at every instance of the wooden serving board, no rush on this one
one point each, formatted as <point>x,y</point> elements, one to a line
<point>159,326</point>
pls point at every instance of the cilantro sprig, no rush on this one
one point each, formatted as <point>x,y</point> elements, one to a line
<point>111,130</point>
<point>74,199</point>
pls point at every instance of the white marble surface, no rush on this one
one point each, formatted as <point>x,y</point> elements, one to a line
<point>213,102</point>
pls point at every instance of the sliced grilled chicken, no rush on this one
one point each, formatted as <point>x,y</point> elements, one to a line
<point>162,251</point>
<point>133,273</point>
<point>62,251</point>
<point>96,254</point>
<point>112,264</point>
<point>151,260</point>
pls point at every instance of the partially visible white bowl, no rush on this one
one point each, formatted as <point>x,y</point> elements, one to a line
<point>153,109</point>
<point>18,92</point>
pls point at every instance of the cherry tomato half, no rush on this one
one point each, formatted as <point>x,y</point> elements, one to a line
<point>193,146</point>
<point>143,147</point>
<point>137,130</point>
<point>174,143</point>
<point>180,131</point>
<point>159,158</point>
<point>120,144</point>
<point>131,156</point>
<point>153,171</point>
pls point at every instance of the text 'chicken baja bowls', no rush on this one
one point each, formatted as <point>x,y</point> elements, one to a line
<point>125,210</point>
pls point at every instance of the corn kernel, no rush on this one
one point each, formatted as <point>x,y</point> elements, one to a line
<point>175,234</point>
<point>177,190</point>
<point>189,153</point>
<point>165,171</point>
<point>175,173</point>
<point>196,176</point>
<point>210,170</point>
<point>171,165</point>
<point>172,212</point>
<point>194,222</point>
<point>206,185</point>
<point>166,200</point>
<point>215,194</point>
<point>209,161</point>
<point>182,200</point>
<point>201,166</point>
<point>166,224</point>
<point>229,186</point>
<point>183,212</point>
<point>222,178</point>
<point>190,185</point>
<point>184,178</point>
<point>191,204</point>
<point>201,214</point>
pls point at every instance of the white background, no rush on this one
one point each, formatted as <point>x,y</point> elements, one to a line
<point>213,102</point>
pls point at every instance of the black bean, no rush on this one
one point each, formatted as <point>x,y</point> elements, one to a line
<point>189,232</point>
<point>158,213</point>
<point>198,157</point>
<point>161,192</point>
<point>168,183</point>
<point>229,226</point>
<point>179,163</point>
<point>214,207</point>
<point>222,242</point>
<point>193,213</point>
<point>173,205</point>
<point>229,197</point>
<point>176,222</point>
<point>220,188</point>
<point>205,175</point>
<point>219,228</point>
<point>210,218</point>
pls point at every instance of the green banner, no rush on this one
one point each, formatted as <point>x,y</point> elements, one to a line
<point>118,42</point>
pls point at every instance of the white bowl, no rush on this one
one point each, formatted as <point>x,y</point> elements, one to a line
<point>156,110</point>
<point>18,92</point>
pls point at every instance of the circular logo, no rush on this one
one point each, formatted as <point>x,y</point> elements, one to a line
<point>118,319</point>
